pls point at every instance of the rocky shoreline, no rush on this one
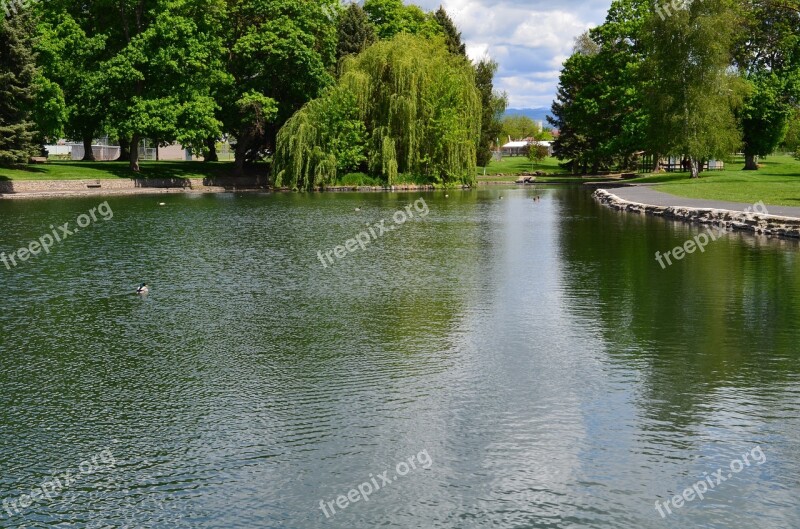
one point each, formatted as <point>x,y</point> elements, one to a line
<point>752,221</point>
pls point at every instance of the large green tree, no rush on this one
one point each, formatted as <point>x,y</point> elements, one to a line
<point>493,105</point>
<point>767,55</point>
<point>404,105</point>
<point>17,87</point>
<point>691,93</point>
<point>279,55</point>
<point>162,75</point>
<point>764,117</point>
<point>71,58</point>
<point>599,109</point>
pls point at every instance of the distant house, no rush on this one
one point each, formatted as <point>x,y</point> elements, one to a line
<point>515,148</point>
<point>520,148</point>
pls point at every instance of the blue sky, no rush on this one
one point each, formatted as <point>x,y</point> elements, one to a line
<point>529,39</point>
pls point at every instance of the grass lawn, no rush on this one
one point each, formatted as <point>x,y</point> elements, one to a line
<point>63,170</point>
<point>509,169</point>
<point>777,182</point>
<point>514,165</point>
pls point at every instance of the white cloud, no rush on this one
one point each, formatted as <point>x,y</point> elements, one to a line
<point>529,39</point>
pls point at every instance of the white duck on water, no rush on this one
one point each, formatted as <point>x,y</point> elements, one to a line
<point>142,289</point>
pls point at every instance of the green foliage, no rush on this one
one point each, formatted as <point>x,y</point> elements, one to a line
<point>392,17</point>
<point>359,179</point>
<point>768,58</point>
<point>518,127</point>
<point>599,109</point>
<point>419,109</point>
<point>666,84</point>
<point>284,50</point>
<point>452,37</point>
<point>71,58</point>
<point>356,32</point>
<point>791,142</point>
<point>537,153</point>
<point>765,115</point>
<point>161,76</point>
<point>493,105</point>
<point>49,109</point>
<point>691,92</point>
<point>17,88</point>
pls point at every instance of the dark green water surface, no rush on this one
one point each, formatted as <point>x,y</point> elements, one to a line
<point>534,357</point>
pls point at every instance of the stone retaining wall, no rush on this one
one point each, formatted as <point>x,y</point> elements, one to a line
<point>755,222</point>
<point>122,184</point>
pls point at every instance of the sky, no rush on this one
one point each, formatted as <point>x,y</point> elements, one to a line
<point>530,39</point>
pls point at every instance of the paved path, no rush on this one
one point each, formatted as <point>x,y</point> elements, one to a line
<point>648,195</point>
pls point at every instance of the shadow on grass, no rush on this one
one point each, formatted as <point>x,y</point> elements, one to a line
<point>175,173</point>
<point>24,168</point>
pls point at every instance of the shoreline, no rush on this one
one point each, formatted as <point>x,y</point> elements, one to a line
<point>23,189</point>
<point>757,223</point>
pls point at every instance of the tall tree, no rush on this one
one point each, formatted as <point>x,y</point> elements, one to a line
<point>279,54</point>
<point>764,117</point>
<point>691,92</point>
<point>452,36</point>
<point>576,114</point>
<point>599,109</point>
<point>493,105</point>
<point>71,58</point>
<point>166,56</point>
<point>767,55</point>
<point>17,90</point>
<point>356,32</point>
<point>414,105</point>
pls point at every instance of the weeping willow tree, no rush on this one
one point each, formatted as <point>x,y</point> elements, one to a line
<point>403,106</point>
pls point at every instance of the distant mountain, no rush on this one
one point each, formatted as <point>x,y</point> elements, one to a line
<point>536,114</point>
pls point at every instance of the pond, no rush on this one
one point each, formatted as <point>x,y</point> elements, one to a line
<point>480,359</point>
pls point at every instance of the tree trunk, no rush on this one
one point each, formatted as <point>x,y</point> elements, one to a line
<point>693,165</point>
<point>88,154</point>
<point>124,153</point>
<point>211,148</point>
<point>240,154</point>
<point>750,163</point>
<point>657,168</point>
<point>134,156</point>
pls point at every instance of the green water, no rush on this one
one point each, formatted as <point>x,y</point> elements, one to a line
<point>532,355</point>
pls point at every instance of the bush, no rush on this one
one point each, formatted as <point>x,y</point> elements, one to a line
<point>359,179</point>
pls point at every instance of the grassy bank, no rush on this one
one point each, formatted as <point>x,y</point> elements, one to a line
<point>777,182</point>
<point>65,170</point>
<point>510,167</point>
<point>69,170</point>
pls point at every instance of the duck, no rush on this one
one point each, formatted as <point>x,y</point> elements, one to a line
<point>142,289</point>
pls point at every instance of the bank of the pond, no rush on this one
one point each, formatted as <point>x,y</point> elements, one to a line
<point>123,186</point>
<point>13,189</point>
<point>758,218</point>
